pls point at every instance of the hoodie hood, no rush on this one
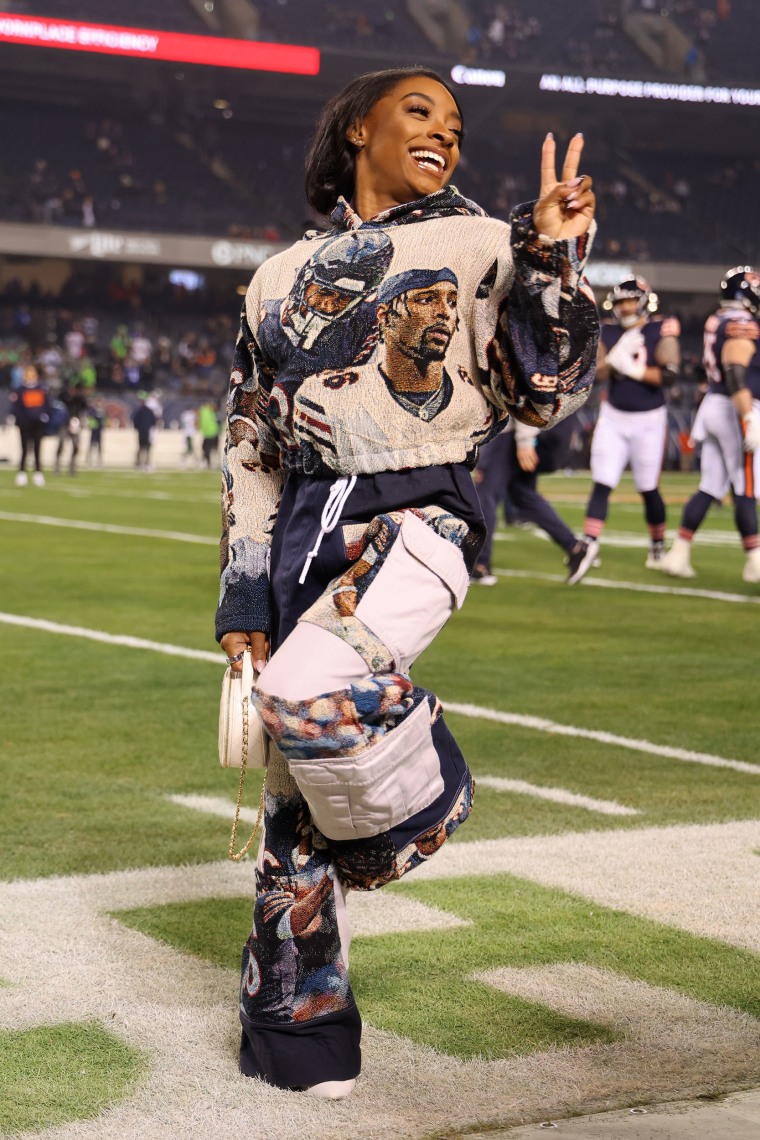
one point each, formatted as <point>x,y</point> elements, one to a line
<point>443,204</point>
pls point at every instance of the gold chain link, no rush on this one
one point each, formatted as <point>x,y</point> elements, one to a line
<point>243,768</point>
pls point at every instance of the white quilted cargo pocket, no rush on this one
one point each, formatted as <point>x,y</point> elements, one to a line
<point>421,581</point>
<point>354,797</point>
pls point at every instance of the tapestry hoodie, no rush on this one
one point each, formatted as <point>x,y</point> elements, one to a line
<point>397,343</point>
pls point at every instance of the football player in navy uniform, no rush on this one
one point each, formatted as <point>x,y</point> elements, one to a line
<point>728,423</point>
<point>508,469</point>
<point>638,354</point>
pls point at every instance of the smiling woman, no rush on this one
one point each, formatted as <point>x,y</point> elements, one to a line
<point>392,135</point>
<point>373,362</point>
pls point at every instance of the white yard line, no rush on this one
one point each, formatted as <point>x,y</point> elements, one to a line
<point>478,712</point>
<point>555,795</point>
<point>640,541</point>
<point>637,587</point>
<point>110,528</point>
<point>214,805</point>
<point>541,724</point>
<point>21,494</point>
<point>709,538</point>
<point>217,805</point>
<point>111,638</point>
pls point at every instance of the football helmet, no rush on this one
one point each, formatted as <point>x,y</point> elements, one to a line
<point>742,284</point>
<point>342,274</point>
<point>632,289</point>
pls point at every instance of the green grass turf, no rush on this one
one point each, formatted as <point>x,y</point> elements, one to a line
<point>95,736</point>
<point>61,1073</point>
<point>419,984</point>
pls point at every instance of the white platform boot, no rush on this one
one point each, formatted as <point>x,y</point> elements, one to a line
<point>677,562</point>
<point>751,571</point>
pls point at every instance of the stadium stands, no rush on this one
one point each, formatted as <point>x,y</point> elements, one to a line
<point>178,16</point>
<point>706,39</point>
<point>130,171</point>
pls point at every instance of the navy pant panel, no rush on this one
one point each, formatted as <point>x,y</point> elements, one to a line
<point>295,1056</point>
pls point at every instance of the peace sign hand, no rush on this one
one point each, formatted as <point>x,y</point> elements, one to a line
<point>564,209</point>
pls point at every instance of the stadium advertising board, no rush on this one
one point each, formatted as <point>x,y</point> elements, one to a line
<point>644,89</point>
<point>38,31</point>
<point>478,76</point>
<point>209,252</point>
<point>140,248</point>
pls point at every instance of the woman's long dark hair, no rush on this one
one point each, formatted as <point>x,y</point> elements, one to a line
<point>331,157</point>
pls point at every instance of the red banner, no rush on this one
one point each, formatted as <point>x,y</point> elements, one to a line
<point>147,43</point>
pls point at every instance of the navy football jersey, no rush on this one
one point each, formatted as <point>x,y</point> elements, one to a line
<point>730,324</point>
<point>634,395</point>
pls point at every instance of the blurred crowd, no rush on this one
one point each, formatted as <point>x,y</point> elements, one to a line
<point>90,352</point>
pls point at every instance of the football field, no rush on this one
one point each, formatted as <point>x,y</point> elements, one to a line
<point>588,940</point>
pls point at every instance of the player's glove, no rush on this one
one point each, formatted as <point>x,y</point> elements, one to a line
<point>751,429</point>
<point>629,355</point>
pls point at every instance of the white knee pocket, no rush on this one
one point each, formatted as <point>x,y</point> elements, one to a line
<point>354,797</point>
<point>421,581</point>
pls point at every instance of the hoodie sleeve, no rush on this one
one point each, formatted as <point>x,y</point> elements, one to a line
<point>252,485</point>
<point>537,325</point>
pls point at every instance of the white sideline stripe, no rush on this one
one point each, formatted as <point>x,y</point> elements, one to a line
<point>556,795</point>
<point>111,638</point>
<point>114,493</point>
<point>217,805</point>
<point>501,536</point>
<point>641,542</point>
<point>475,711</point>
<point>214,805</point>
<point>639,587</point>
<point>109,528</point>
<point>543,725</point>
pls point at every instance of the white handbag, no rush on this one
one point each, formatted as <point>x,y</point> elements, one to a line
<point>243,743</point>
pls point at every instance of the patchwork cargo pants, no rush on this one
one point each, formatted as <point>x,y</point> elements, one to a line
<point>365,782</point>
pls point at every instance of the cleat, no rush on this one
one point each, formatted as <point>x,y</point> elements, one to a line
<point>655,557</point>
<point>677,561</point>
<point>22,479</point>
<point>751,571</point>
<point>580,559</point>
<point>332,1090</point>
<point>38,479</point>
<point>482,576</point>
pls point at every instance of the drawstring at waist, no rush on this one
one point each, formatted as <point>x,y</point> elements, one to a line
<point>333,508</point>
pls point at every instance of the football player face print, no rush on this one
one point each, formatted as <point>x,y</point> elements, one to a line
<point>326,301</point>
<point>342,275</point>
<point>422,322</point>
<point>417,315</point>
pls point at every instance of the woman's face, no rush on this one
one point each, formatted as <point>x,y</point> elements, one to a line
<point>408,143</point>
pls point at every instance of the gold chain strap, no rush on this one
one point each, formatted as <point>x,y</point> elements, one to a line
<point>243,768</point>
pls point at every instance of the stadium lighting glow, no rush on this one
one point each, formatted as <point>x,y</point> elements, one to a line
<point>153,44</point>
<point>477,76</point>
<point>642,89</point>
